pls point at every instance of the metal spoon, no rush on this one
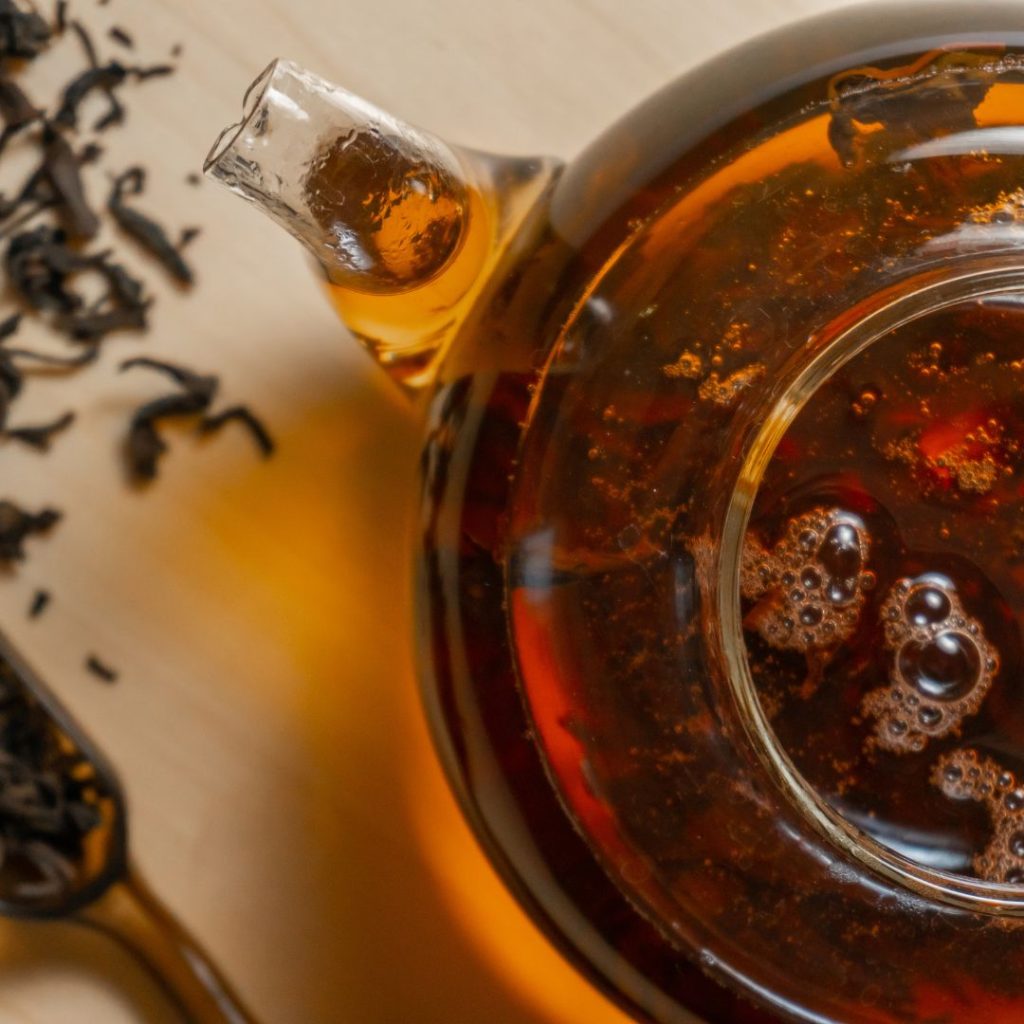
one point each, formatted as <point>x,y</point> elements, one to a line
<point>64,846</point>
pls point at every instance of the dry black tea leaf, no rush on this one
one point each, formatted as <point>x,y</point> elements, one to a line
<point>23,33</point>
<point>193,179</point>
<point>60,16</point>
<point>9,326</point>
<point>40,601</point>
<point>200,384</point>
<point>244,415</point>
<point>106,78</point>
<point>91,327</point>
<point>16,525</point>
<point>153,71</point>
<point>41,436</point>
<point>119,35</point>
<point>88,46</point>
<point>16,108</point>
<point>45,361</point>
<point>54,181</point>
<point>41,267</point>
<point>100,669</point>
<point>144,445</point>
<point>150,235</point>
<point>62,168</point>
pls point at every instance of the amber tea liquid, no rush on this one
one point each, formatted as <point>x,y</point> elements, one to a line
<point>724,566</point>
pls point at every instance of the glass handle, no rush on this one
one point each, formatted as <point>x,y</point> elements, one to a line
<point>130,914</point>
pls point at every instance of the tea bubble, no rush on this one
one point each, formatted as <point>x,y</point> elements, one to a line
<point>841,591</point>
<point>810,615</point>
<point>965,775</point>
<point>808,540</point>
<point>816,579</point>
<point>946,667</point>
<point>926,605</point>
<point>840,553</point>
<point>941,658</point>
<point>810,579</point>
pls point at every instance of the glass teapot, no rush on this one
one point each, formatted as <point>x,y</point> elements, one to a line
<point>721,563</point>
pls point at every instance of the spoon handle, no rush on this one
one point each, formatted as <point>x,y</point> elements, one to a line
<point>130,914</point>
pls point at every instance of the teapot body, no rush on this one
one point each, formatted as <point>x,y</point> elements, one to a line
<point>667,362</point>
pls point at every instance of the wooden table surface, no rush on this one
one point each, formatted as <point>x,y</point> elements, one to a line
<point>283,795</point>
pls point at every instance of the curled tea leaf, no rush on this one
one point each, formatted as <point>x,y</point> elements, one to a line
<point>144,445</point>
<point>16,525</point>
<point>244,415</point>
<point>40,436</point>
<point>143,229</point>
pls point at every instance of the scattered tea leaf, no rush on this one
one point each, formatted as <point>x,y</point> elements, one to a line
<point>119,35</point>
<point>144,445</point>
<point>106,78</point>
<point>202,385</point>
<point>62,168</point>
<point>153,71</point>
<point>60,16</point>
<point>40,437</point>
<point>23,33</point>
<point>150,235</point>
<point>100,669</point>
<point>244,415</point>
<point>85,40</point>
<point>9,326</point>
<point>16,109</point>
<point>41,267</point>
<point>40,601</point>
<point>16,525</point>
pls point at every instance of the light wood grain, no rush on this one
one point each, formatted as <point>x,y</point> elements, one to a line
<point>283,795</point>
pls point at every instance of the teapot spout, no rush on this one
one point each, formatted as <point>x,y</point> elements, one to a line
<point>405,227</point>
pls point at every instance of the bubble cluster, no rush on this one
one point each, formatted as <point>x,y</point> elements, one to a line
<point>810,588</point>
<point>943,665</point>
<point>964,775</point>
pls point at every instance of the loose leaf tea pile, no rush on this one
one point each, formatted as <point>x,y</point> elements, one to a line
<point>51,798</point>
